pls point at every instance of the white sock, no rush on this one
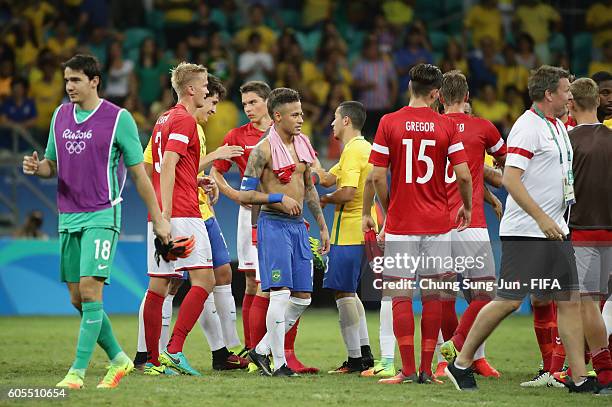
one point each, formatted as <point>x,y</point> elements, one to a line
<point>275,324</point>
<point>226,309</point>
<point>166,321</point>
<point>295,309</point>
<point>349,325</point>
<point>209,321</point>
<point>480,352</point>
<point>438,344</point>
<point>387,338</point>
<point>458,366</point>
<point>364,338</point>
<point>263,347</point>
<point>606,313</point>
<point>142,344</point>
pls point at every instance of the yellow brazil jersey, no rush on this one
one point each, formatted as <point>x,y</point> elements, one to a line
<point>608,123</point>
<point>351,171</point>
<point>205,207</point>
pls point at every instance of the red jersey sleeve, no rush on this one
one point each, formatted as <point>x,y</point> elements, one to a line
<point>380,148</point>
<point>456,153</point>
<point>224,166</point>
<point>182,132</point>
<point>494,142</point>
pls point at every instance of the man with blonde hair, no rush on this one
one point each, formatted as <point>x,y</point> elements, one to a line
<point>175,138</point>
<point>591,221</point>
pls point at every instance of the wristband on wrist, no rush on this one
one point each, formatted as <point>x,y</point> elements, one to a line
<point>275,198</point>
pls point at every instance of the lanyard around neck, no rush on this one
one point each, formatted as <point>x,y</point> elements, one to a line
<point>554,136</point>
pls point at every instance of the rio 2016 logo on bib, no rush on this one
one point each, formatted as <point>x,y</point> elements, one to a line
<point>276,276</point>
<point>75,147</point>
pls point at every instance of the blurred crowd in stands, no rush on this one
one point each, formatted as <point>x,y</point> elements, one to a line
<point>329,50</point>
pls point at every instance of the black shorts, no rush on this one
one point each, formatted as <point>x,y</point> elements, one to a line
<point>542,267</point>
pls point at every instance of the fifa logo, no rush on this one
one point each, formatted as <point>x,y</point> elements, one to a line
<point>75,147</point>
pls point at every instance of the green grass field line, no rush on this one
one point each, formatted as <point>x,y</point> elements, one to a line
<point>37,351</point>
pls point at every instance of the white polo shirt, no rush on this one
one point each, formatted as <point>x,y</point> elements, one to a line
<point>532,149</point>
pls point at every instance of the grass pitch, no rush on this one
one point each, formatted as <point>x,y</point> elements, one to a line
<point>37,351</point>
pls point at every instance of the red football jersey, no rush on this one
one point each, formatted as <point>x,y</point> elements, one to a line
<point>176,131</point>
<point>247,137</point>
<point>477,135</point>
<point>415,143</point>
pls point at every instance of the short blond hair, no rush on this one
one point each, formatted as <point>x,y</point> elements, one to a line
<point>454,87</point>
<point>184,73</point>
<point>585,93</point>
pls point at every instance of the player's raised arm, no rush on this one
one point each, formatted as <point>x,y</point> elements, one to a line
<point>224,152</point>
<point>341,195</point>
<point>311,196</point>
<point>492,176</point>
<point>225,188</point>
<point>324,178</point>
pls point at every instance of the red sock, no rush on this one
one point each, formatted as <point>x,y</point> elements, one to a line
<point>152,318</point>
<point>290,336</point>
<point>257,318</point>
<point>449,318</point>
<point>430,327</point>
<point>602,363</point>
<point>247,301</point>
<point>403,328</point>
<point>190,311</point>
<point>544,323</point>
<point>466,322</point>
<point>558,355</point>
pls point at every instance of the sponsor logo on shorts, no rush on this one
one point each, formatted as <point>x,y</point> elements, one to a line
<point>276,276</point>
<point>102,266</point>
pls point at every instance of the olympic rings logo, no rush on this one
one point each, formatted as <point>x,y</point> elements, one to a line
<point>75,147</point>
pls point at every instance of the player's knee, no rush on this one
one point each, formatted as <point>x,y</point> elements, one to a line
<point>223,275</point>
<point>539,302</point>
<point>343,294</point>
<point>159,285</point>
<point>90,289</point>
<point>510,306</point>
<point>76,303</point>
<point>204,279</point>
<point>174,286</point>
<point>301,294</point>
<point>251,285</point>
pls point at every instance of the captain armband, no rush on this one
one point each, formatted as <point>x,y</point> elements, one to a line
<point>249,183</point>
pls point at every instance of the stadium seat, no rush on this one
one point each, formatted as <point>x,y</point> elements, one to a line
<point>581,53</point>
<point>309,42</point>
<point>438,40</point>
<point>134,36</point>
